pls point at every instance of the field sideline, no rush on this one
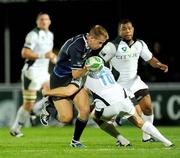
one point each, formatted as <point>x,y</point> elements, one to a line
<point>53,142</point>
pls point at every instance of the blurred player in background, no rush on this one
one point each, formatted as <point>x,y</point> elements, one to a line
<point>123,54</point>
<point>37,52</point>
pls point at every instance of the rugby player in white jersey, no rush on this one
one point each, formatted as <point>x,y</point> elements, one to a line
<point>111,99</point>
<point>123,54</point>
<point>37,52</point>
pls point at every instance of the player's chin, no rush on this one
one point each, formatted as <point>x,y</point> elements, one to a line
<point>128,38</point>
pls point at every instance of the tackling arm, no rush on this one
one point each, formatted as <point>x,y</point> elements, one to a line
<point>61,91</point>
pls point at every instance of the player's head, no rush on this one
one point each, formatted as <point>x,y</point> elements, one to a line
<point>94,64</point>
<point>96,37</point>
<point>43,21</point>
<point>126,29</point>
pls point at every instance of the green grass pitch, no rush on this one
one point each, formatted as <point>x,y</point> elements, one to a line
<point>53,142</point>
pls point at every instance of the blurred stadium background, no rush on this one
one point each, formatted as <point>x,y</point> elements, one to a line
<point>154,23</point>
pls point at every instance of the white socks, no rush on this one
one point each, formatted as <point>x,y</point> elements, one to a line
<point>150,119</point>
<point>154,132</point>
<point>21,117</point>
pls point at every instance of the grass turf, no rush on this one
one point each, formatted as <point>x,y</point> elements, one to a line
<point>53,142</point>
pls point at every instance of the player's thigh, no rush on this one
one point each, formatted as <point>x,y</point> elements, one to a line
<point>126,108</point>
<point>64,109</point>
<point>81,101</point>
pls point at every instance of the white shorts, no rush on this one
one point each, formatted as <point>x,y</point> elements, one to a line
<point>34,79</point>
<point>134,85</point>
<point>123,107</point>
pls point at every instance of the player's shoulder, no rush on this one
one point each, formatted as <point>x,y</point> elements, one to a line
<point>34,32</point>
<point>140,41</point>
<point>51,33</point>
<point>117,40</point>
<point>78,41</point>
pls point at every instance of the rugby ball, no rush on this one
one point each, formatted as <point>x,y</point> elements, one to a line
<point>94,63</point>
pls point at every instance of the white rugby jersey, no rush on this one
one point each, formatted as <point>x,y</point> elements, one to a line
<point>124,58</point>
<point>104,85</point>
<point>41,42</point>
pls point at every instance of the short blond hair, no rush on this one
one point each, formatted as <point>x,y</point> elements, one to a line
<point>98,30</point>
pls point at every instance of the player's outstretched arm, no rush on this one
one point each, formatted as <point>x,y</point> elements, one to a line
<point>154,62</point>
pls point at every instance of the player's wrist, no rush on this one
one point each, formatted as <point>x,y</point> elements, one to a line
<point>158,64</point>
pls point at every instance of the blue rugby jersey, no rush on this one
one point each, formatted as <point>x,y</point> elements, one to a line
<point>72,55</point>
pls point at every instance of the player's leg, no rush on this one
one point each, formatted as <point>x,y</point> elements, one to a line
<point>30,87</point>
<point>150,129</point>
<point>59,89</point>
<point>147,114</point>
<point>103,113</point>
<point>64,110</point>
<point>58,94</point>
<point>23,113</point>
<point>141,92</point>
<point>38,105</point>
<point>110,129</point>
<point>81,101</point>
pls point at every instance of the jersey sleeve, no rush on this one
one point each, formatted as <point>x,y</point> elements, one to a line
<point>145,52</point>
<point>31,40</point>
<point>108,52</point>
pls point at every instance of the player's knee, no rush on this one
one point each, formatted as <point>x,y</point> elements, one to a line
<point>28,106</point>
<point>84,113</point>
<point>147,110</point>
<point>65,118</point>
<point>83,116</point>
